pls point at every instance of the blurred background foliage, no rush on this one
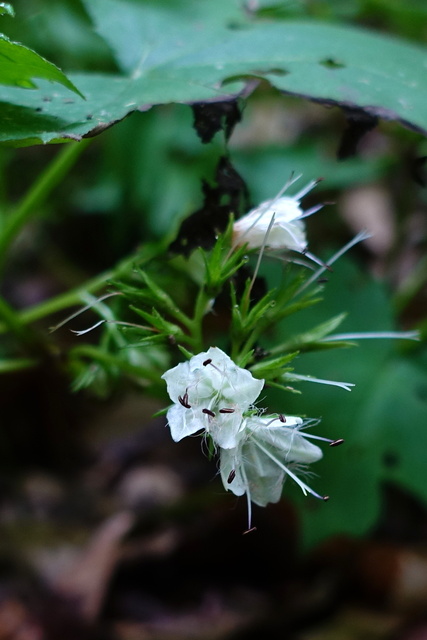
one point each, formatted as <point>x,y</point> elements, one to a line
<point>72,461</point>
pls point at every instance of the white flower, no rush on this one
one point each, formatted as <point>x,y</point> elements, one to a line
<point>210,392</point>
<point>271,449</point>
<point>276,224</point>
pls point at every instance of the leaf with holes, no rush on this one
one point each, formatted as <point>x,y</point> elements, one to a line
<point>196,51</point>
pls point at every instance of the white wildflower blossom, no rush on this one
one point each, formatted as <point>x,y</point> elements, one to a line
<point>272,449</point>
<point>212,393</point>
<point>276,223</point>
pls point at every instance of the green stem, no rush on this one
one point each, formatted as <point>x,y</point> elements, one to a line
<point>41,188</point>
<point>200,308</point>
<point>13,323</point>
<point>74,297</point>
<point>17,364</point>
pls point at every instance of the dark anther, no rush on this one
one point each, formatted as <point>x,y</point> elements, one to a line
<point>325,498</point>
<point>208,412</point>
<point>184,401</point>
<point>206,362</point>
<point>282,417</point>
<point>231,476</point>
<point>226,410</point>
<point>335,443</point>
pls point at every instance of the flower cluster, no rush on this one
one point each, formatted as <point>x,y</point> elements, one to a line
<point>212,395</point>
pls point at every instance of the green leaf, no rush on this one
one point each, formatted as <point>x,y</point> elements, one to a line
<point>158,322</point>
<point>19,65</point>
<point>195,51</point>
<point>272,367</point>
<point>209,43</point>
<point>312,337</point>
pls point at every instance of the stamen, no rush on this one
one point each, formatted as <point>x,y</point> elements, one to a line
<point>317,260</point>
<point>282,418</point>
<point>310,212</point>
<point>308,187</point>
<point>363,235</point>
<point>184,401</point>
<point>249,531</point>
<point>248,501</point>
<point>209,361</point>
<point>261,252</point>
<point>208,412</point>
<point>335,443</point>
<point>311,436</point>
<point>304,487</point>
<point>227,410</point>
<point>231,476</point>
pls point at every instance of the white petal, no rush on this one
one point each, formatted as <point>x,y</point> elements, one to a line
<point>182,422</point>
<point>288,442</point>
<point>176,380</point>
<point>226,429</point>
<point>230,469</point>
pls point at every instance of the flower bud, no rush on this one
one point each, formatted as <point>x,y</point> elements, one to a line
<point>276,224</point>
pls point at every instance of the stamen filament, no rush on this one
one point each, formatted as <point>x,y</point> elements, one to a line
<point>363,235</point>
<point>304,487</point>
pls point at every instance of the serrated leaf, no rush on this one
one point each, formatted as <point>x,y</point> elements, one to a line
<point>196,51</point>
<point>19,65</point>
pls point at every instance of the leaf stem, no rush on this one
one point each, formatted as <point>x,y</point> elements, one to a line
<point>41,188</point>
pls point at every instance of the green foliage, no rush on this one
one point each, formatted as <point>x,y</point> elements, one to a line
<point>144,175</point>
<point>20,64</point>
<point>199,51</point>
<point>382,419</point>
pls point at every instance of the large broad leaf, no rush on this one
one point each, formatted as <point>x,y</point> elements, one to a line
<point>383,419</point>
<point>19,65</point>
<point>198,50</point>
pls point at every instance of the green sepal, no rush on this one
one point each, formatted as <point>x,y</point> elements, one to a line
<point>185,352</point>
<point>273,367</point>
<point>283,387</point>
<point>311,339</point>
<point>159,322</point>
<point>243,361</point>
<point>161,412</point>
